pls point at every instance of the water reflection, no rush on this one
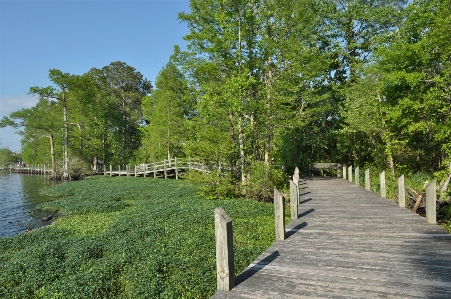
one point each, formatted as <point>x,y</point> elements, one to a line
<point>19,195</point>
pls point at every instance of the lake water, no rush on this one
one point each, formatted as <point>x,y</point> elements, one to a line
<point>19,195</point>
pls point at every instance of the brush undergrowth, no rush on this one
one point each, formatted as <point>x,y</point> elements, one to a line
<point>129,238</point>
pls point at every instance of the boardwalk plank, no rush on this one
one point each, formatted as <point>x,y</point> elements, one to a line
<point>350,243</point>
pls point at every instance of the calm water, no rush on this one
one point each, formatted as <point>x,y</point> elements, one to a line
<point>19,195</point>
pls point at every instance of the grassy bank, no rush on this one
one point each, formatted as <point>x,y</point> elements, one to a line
<point>129,238</point>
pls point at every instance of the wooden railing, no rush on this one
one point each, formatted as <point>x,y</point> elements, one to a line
<point>224,233</point>
<point>161,169</point>
<point>32,169</point>
<point>431,193</point>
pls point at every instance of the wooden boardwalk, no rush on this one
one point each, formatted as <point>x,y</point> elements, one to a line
<point>350,243</point>
<point>162,169</point>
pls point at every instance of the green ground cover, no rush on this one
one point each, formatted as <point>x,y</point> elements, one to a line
<point>129,238</point>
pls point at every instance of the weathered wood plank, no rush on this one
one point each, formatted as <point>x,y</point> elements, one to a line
<point>350,243</point>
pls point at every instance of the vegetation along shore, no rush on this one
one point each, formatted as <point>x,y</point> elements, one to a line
<point>129,237</point>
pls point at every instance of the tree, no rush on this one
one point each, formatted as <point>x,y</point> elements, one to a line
<point>165,111</point>
<point>7,156</point>
<point>127,87</point>
<point>39,122</point>
<point>64,82</point>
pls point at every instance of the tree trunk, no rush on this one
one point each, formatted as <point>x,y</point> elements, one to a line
<point>443,189</point>
<point>52,155</point>
<point>242,157</point>
<point>233,160</point>
<point>66,175</point>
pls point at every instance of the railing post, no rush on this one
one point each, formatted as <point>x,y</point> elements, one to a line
<point>119,169</point>
<point>279,214</point>
<point>136,173</point>
<point>357,176</point>
<point>367,180</point>
<point>111,170</point>
<point>294,200</point>
<point>224,251</point>
<point>154,170</point>
<point>344,171</point>
<point>382,184</point>
<point>296,176</point>
<point>164,166</point>
<point>401,192</point>
<point>176,170</point>
<point>431,202</point>
<point>350,173</point>
<point>145,169</point>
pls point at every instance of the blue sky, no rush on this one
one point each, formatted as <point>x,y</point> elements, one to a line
<point>77,35</point>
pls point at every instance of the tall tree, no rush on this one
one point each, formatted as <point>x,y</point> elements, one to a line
<point>165,111</point>
<point>64,82</point>
<point>42,121</point>
<point>128,87</point>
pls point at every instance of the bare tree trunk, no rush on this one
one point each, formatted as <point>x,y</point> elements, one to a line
<point>95,162</point>
<point>80,139</point>
<point>242,158</point>
<point>52,155</point>
<point>169,141</point>
<point>66,174</point>
<point>443,189</point>
<point>233,160</point>
<point>392,166</point>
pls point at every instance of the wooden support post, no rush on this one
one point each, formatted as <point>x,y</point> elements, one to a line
<point>145,170</point>
<point>176,170</point>
<point>294,200</point>
<point>431,202</point>
<point>296,175</point>
<point>367,180</point>
<point>382,184</point>
<point>154,170</point>
<point>279,214</point>
<point>224,251</point>
<point>164,166</point>
<point>344,171</point>
<point>350,173</point>
<point>44,170</point>
<point>401,192</point>
<point>119,169</point>
<point>111,170</point>
<point>128,169</point>
<point>136,174</point>
<point>357,176</point>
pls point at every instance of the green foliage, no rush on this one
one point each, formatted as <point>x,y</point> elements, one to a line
<point>261,182</point>
<point>158,243</point>
<point>165,111</point>
<point>7,156</point>
<point>216,186</point>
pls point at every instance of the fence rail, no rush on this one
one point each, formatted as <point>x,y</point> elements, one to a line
<point>162,169</point>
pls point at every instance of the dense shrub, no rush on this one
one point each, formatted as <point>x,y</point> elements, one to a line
<point>158,242</point>
<point>259,185</point>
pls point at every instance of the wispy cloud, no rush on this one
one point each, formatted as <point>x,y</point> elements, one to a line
<point>10,104</point>
<point>8,136</point>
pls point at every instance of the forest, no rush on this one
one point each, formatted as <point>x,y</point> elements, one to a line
<point>261,84</point>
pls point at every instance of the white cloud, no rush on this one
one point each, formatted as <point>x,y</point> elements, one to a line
<point>10,104</point>
<point>8,136</point>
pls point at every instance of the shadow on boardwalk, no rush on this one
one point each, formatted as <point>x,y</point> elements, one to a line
<point>350,243</point>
